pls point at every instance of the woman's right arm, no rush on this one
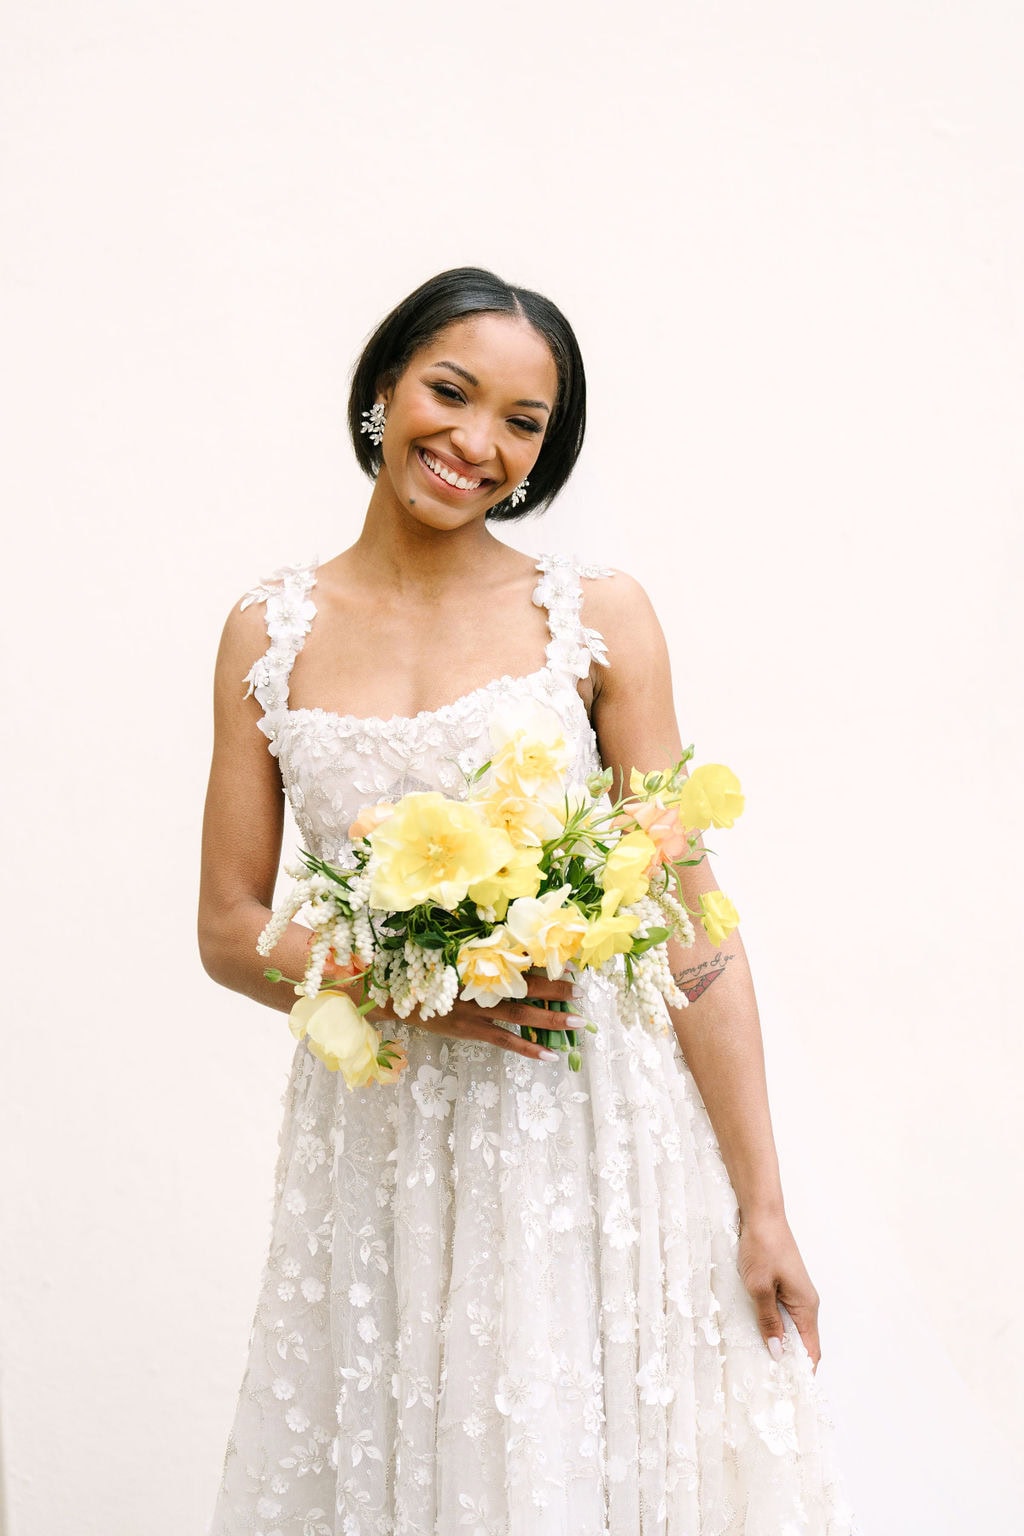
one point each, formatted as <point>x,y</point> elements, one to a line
<point>243,825</point>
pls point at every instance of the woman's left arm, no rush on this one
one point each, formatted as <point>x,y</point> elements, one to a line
<point>719,1032</point>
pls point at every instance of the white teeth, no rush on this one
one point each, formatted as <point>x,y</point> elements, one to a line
<point>448,475</point>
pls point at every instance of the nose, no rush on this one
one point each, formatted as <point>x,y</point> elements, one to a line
<point>473,437</point>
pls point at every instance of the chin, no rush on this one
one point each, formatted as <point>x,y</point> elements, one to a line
<point>433,514</point>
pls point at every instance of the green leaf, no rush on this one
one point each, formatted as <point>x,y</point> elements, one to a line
<point>655,936</point>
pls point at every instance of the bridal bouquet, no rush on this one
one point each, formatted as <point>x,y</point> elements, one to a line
<point>439,898</point>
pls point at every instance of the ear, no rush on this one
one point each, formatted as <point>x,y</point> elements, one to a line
<point>385,392</point>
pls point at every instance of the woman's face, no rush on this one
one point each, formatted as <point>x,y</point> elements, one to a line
<point>466,419</point>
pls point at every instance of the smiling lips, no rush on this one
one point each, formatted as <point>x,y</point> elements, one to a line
<point>445,472</point>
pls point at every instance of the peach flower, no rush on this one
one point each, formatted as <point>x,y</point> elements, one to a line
<point>369,818</point>
<point>397,1061</point>
<point>665,829</point>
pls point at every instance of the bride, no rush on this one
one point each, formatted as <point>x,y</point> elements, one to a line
<point>499,1297</point>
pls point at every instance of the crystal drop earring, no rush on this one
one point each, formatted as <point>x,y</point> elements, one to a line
<point>374,422</point>
<point>519,494</point>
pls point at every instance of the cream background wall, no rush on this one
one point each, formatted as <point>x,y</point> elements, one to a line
<point>791,239</point>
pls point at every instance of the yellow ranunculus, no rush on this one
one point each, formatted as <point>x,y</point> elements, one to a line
<point>433,849</point>
<point>718,915</point>
<point>492,967</point>
<point>607,934</point>
<point>531,754</point>
<point>519,877</point>
<point>338,1035</point>
<point>549,930</point>
<point>625,872</point>
<point>710,797</point>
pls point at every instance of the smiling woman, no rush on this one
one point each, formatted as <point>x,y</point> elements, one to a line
<point>499,1295</point>
<point>553,413</point>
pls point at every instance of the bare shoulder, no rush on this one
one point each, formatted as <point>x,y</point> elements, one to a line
<point>243,640</point>
<point>618,607</point>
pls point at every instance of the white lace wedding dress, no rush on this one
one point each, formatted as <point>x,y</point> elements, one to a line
<point>501,1298</point>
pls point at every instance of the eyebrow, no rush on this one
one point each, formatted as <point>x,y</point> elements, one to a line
<point>537,405</point>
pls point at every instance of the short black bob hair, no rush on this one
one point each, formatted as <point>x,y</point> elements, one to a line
<point>438,303</point>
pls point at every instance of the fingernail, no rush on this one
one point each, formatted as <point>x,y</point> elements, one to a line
<point>546,1055</point>
<point>775,1348</point>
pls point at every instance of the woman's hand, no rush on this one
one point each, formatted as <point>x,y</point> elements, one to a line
<point>772,1270</point>
<point>470,1021</point>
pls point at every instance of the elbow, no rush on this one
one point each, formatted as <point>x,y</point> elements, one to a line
<point>214,947</point>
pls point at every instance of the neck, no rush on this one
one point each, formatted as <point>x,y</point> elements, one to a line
<point>397,550</point>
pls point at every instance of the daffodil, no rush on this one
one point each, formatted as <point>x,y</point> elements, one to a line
<point>525,821</point>
<point>548,928</point>
<point>433,849</point>
<point>718,915</point>
<point>531,754</point>
<point>491,968</point>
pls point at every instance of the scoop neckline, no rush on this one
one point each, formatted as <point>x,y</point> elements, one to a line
<point>508,679</point>
<point>542,566</point>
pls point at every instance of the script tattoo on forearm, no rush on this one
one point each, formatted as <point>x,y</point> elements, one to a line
<point>698,978</point>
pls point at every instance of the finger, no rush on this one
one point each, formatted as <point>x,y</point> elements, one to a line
<point>806,1320</point>
<point>459,1027</point>
<point>769,1320</point>
<point>540,985</point>
<point>523,1015</point>
<point>509,1040</point>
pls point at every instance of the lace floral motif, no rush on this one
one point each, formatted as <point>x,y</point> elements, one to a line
<point>572,646</point>
<point>500,1298</point>
<point>289,617</point>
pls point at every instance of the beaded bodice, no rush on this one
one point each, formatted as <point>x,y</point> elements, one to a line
<point>332,765</point>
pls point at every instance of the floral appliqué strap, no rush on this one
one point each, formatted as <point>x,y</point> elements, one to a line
<point>572,647</point>
<point>289,618</point>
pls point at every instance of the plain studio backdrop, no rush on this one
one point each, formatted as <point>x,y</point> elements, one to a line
<point>791,239</point>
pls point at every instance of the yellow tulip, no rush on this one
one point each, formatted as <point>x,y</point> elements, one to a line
<point>433,849</point>
<point>338,1035</point>
<point>710,797</point>
<point>718,915</point>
